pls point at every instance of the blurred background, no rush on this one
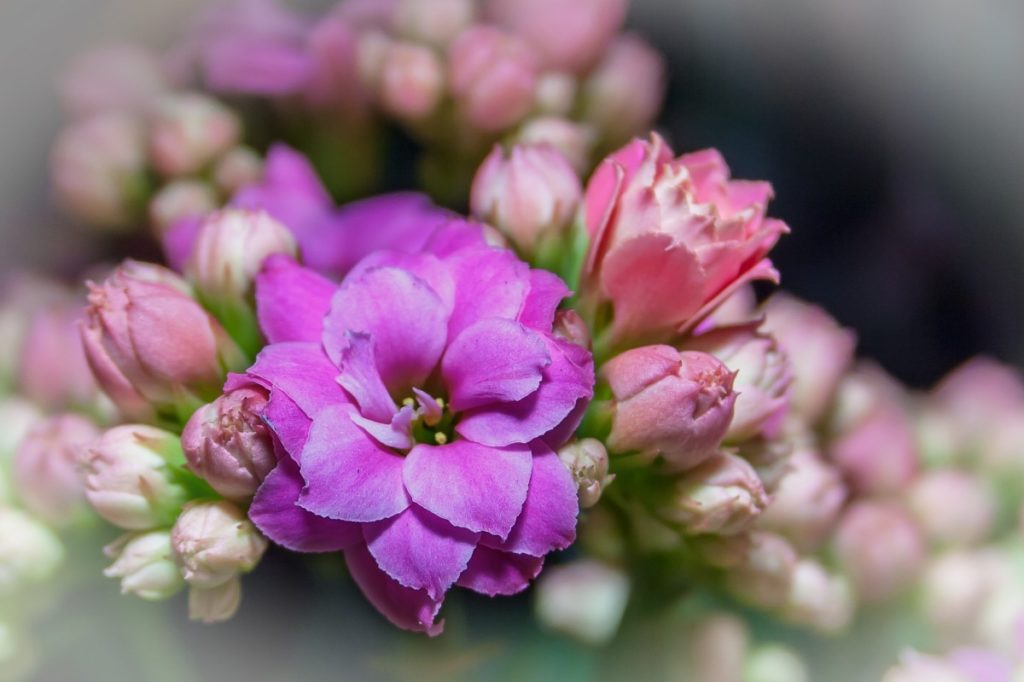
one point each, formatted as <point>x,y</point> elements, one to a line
<point>892,135</point>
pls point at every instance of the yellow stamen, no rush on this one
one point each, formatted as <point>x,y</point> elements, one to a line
<point>440,438</point>
<point>440,402</point>
<point>408,402</point>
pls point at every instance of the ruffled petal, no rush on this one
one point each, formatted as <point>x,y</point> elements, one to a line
<point>488,283</point>
<point>469,485</point>
<point>288,422</point>
<point>396,434</point>
<point>359,376</point>
<point>420,550</point>
<point>348,475</point>
<point>427,267</point>
<point>455,235</point>
<point>301,371</point>
<point>547,291</point>
<point>493,572</point>
<point>405,608</point>
<point>275,513</point>
<point>493,361</point>
<point>291,301</point>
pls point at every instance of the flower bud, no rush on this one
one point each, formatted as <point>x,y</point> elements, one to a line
<point>98,168</point>
<point>215,604</point>
<point>181,200</point>
<point>954,589</point>
<point>531,195</point>
<point>623,95</point>
<point>145,565</point>
<point>770,458</point>
<point>239,167</point>
<point>556,93</point>
<point>29,551</point>
<point>721,496</point>
<point>574,140</point>
<point>129,480</point>
<point>585,599</point>
<point>151,346</point>
<point>764,577</point>
<point>587,460</point>
<point>678,405</point>
<point>188,131</point>
<point>493,77</point>
<point>213,542</point>
<point>230,250</point>
<point>433,22</point>
<point>227,443</point>
<point>762,378</point>
<point>880,548</point>
<point>819,600</point>
<point>46,467</point>
<point>569,326</point>
<point>774,663</point>
<point>915,667</point>
<point>953,507</point>
<point>123,78</point>
<point>411,81</point>
<point>717,647</point>
<point>18,418</point>
<point>806,504</point>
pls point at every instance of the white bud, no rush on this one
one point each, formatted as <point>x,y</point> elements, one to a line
<point>145,565</point>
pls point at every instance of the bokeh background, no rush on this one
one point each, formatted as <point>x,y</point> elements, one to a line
<point>892,132</point>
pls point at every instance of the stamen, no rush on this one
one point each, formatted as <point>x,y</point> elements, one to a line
<point>408,402</point>
<point>440,438</point>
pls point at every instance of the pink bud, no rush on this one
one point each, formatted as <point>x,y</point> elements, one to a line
<point>239,167</point>
<point>954,589</point>
<point>129,480</point>
<point>556,93</point>
<point>570,35</point>
<point>721,496</point>
<point>98,168</point>
<point>30,553</point>
<point>145,565</point>
<point>188,131</point>
<point>770,458</point>
<point>215,604</point>
<point>151,346</point>
<point>530,195</point>
<point>230,249</point>
<point>623,95</point>
<point>807,502</point>
<point>411,80</point>
<point>372,48</point>
<point>180,200</point>
<point>433,22</point>
<point>18,417</point>
<point>819,349</point>
<point>213,542</point>
<point>569,326</point>
<point>880,548</point>
<point>764,576</point>
<point>762,378</point>
<point>953,506</point>
<point>53,371</point>
<point>227,443</point>
<point>493,76</point>
<point>587,460</point>
<point>676,404</point>
<point>45,467</point>
<point>819,600</point>
<point>574,140</point>
<point>123,78</point>
<point>718,645</point>
<point>585,599</point>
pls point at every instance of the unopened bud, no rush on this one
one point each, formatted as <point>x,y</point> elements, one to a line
<point>145,565</point>
<point>587,460</point>
<point>215,604</point>
<point>29,551</point>
<point>180,200</point>
<point>493,77</point>
<point>953,507</point>
<point>764,577</point>
<point>213,542</point>
<point>915,667</point>
<point>556,93</point>
<point>585,599</point>
<point>18,417</point>
<point>569,326</point>
<point>954,589</point>
<point>46,467</point>
<point>188,131</point>
<point>433,22</point>
<point>880,548</point>
<point>774,663</point>
<point>239,167</point>
<point>717,647</point>
<point>623,95</point>
<point>574,140</point>
<point>721,496</point>
<point>819,600</point>
<point>411,81</point>
<point>807,502</point>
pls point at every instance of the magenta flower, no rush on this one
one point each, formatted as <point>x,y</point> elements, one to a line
<point>418,406</point>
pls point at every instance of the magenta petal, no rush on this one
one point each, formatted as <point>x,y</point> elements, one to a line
<point>397,434</point>
<point>548,521</point>
<point>455,235</point>
<point>274,512</point>
<point>471,486</point>
<point>348,475</point>
<point>303,372</point>
<point>359,376</point>
<point>405,608</point>
<point>420,550</point>
<point>493,361</point>
<point>291,301</point>
<point>568,380</point>
<point>547,290</point>
<point>427,267</point>
<point>493,572</point>
<point>178,240</point>
<point>289,423</point>
<point>405,318</point>
<point>488,283</point>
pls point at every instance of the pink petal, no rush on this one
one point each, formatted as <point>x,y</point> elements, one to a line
<point>427,267</point>
<point>469,485</point>
<point>493,572</point>
<point>348,475</point>
<point>289,423</point>
<point>359,376</point>
<point>405,608</point>
<point>302,372</point>
<point>405,318</point>
<point>420,550</point>
<point>274,512</point>
<point>291,301</point>
<point>488,283</point>
<point>396,434</point>
<point>762,270</point>
<point>455,235</point>
<point>493,361</point>
<point>548,521</point>
<point>547,291</point>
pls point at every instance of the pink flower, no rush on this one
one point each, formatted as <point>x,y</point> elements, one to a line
<point>669,403</point>
<point>418,405</point>
<point>671,239</point>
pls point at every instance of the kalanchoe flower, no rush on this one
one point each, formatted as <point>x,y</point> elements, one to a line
<point>45,466</point>
<point>623,95</point>
<point>587,460</point>
<point>188,131</point>
<point>213,543</point>
<point>145,566</point>
<point>129,478</point>
<point>151,346</point>
<point>411,81</point>
<point>807,502</point>
<point>433,22</point>
<point>29,551</point>
<point>762,378</point>
<point>880,548</point>
<point>585,599</point>
<point>492,76</point>
<point>818,348</point>
<point>215,604</point>
<point>123,78</point>
<point>667,402</point>
<point>228,444</point>
<point>722,496</point>
<point>671,238</point>
<point>418,405</point>
<point>952,506</point>
<point>530,194</point>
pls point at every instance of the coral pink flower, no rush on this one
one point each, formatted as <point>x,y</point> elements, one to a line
<point>671,238</point>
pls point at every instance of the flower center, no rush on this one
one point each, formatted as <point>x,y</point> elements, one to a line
<point>433,422</point>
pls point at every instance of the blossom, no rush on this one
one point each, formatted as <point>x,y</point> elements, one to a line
<point>671,238</point>
<point>419,405</point>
